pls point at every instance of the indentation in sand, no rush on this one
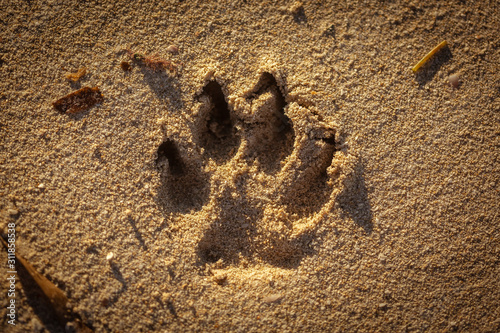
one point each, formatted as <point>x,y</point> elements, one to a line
<point>263,176</point>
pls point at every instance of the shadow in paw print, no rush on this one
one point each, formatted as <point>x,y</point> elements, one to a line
<point>217,135</point>
<point>271,135</point>
<point>232,233</point>
<point>354,201</point>
<point>287,253</point>
<point>185,187</point>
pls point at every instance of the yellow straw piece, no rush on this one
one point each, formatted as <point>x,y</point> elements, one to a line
<point>430,54</point>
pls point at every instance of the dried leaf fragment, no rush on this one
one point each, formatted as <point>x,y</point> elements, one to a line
<point>56,296</point>
<point>125,66</point>
<point>79,100</point>
<point>78,75</point>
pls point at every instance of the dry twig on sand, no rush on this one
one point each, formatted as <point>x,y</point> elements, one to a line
<point>153,62</point>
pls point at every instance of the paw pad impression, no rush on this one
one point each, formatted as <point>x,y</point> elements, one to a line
<point>261,172</point>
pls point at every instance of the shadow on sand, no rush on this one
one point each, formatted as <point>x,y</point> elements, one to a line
<point>354,201</point>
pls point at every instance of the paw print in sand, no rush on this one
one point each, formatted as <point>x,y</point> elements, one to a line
<point>260,171</point>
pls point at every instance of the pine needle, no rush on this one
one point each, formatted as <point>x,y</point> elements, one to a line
<point>428,56</point>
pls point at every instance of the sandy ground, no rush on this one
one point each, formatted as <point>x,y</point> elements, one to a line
<point>287,171</point>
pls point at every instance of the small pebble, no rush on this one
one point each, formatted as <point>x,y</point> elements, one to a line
<point>454,80</point>
<point>296,8</point>
<point>173,49</point>
<point>70,327</point>
<point>110,256</point>
<point>36,325</point>
<point>272,298</point>
<point>165,297</point>
<point>41,186</point>
<point>220,279</point>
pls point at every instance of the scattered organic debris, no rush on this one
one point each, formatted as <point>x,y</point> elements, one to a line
<point>78,100</point>
<point>78,75</point>
<point>56,296</point>
<point>153,62</point>
<point>125,65</point>
<point>330,31</point>
<point>429,55</point>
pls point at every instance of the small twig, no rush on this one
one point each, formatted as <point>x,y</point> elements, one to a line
<point>153,62</point>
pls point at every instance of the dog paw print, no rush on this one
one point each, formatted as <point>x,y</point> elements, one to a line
<point>260,170</point>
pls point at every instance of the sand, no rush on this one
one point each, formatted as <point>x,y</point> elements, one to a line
<point>284,171</point>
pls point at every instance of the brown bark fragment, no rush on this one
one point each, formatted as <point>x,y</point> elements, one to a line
<point>79,100</point>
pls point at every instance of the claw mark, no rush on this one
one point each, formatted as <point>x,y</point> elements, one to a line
<point>218,134</point>
<point>271,135</point>
<point>219,123</point>
<point>268,83</point>
<point>186,187</point>
<point>169,152</point>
